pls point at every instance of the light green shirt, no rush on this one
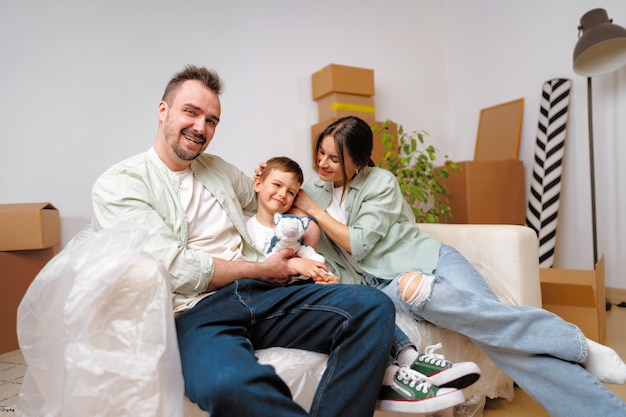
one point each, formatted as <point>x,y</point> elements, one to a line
<point>384,242</point>
<point>143,190</point>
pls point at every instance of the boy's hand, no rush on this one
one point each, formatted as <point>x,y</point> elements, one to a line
<point>327,277</point>
<point>315,270</point>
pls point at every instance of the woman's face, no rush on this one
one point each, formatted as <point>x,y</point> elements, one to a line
<point>329,164</point>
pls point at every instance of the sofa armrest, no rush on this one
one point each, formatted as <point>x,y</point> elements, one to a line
<point>507,256</point>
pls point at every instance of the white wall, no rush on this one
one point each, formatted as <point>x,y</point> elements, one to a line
<point>501,50</point>
<point>81,82</point>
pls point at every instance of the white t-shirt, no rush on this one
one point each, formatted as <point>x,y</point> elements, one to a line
<point>337,210</point>
<point>261,235</point>
<point>210,229</point>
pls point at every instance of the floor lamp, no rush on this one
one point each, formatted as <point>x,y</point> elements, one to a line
<point>601,49</point>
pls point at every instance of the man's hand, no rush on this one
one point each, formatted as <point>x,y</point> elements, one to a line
<point>276,268</point>
<point>259,170</point>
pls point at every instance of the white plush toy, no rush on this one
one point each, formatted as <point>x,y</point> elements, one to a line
<point>288,233</point>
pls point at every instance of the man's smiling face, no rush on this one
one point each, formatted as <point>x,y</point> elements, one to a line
<point>187,124</point>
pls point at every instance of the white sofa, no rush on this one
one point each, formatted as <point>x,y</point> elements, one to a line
<point>97,333</point>
<point>505,255</point>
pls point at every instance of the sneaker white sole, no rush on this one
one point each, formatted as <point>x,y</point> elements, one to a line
<point>446,398</point>
<point>460,375</point>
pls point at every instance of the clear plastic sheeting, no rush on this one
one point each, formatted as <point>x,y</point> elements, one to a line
<point>97,332</point>
<point>301,370</point>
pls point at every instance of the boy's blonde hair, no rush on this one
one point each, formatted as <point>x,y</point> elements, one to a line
<point>283,164</point>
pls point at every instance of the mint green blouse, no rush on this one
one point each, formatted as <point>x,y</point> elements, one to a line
<point>384,242</point>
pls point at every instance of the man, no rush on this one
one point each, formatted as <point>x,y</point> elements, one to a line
<point>227,303</point>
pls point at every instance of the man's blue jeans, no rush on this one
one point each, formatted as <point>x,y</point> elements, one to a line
<point>353,324</point>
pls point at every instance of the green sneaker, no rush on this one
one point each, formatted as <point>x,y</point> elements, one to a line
<point>407,391</point>
<point>443,373</point>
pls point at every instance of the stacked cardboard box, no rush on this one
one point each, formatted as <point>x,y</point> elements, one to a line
<point>344,79</point>
<point>490,189</point>
<point>29,236</point>
<point>340,91</point>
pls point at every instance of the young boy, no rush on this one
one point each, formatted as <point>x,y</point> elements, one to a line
<point>411,384</point>
<point>276,189</point>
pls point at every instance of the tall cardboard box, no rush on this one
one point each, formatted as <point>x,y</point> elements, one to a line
<point>491,188</point>
<point>577,296</point>
<point>345,79</point>
<point>378,151</point>
<point>29,236</point>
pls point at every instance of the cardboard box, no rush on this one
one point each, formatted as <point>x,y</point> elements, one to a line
<point>340,105</point>
<point>29,236</point>
<point>342,79</point>
<point>17,271</point>
<point>487,192</point>
<point>578,296</point>
<point>499,131</point>
<point>490,189</point>
<point>29,226</point>
<point>378,152</point>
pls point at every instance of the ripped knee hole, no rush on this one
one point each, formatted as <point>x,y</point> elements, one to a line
<point>414,286</point>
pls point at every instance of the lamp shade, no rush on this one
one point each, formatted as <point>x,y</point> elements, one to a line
<point>602,47</point>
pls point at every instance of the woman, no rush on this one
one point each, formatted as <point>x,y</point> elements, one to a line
<point>369,239</point>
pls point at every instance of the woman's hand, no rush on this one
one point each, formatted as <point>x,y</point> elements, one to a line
<point>336,231</point>
<point>305,203</point>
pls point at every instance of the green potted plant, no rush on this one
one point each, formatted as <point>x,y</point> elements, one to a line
<point>419,173</point>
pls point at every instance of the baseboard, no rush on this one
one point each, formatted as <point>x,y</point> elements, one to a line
<point>616,295</point>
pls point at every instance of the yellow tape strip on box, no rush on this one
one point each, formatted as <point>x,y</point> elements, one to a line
<point>352,107</point>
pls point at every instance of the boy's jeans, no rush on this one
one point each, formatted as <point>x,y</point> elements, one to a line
<point>353,324</point>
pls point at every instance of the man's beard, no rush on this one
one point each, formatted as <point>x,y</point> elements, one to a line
<point>172,138</point>
<point>184,154</point>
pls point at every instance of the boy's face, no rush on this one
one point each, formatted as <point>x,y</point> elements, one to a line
<point>277,191</point>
